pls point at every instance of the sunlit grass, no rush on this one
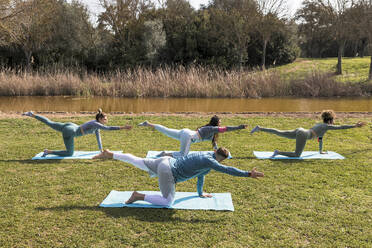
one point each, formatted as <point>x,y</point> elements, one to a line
<point>354,69</point>
<point>312,203</point>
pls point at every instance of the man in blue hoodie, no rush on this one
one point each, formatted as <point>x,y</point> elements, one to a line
<point>171,171</point>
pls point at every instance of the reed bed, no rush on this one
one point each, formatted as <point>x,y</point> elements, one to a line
<point>176,82</point>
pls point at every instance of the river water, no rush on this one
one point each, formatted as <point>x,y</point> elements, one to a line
<point>139,105</point>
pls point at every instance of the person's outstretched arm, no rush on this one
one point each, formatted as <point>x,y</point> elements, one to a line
<point>209,131</point>
<point>234,171</point>
<point>233,128</point>
<point>337,127</point>
<point>216,129</point>
<point>109,128</point>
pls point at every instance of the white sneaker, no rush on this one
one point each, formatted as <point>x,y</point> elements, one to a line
<point>28,113</point>
<point>255,129</point>
<point>143,124</point>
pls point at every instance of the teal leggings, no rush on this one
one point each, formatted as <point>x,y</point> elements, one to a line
<point>69,132</point>
<point>299,134</point>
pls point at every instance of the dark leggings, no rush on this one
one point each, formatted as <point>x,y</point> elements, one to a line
<point>300,134</point>
<point>69,131</point>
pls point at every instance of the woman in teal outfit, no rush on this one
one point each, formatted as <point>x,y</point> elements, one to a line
<point>70,130</point>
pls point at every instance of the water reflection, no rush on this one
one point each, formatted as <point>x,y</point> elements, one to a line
<point>110,104</point>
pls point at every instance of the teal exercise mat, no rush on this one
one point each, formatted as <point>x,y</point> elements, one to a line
<point>183,200</point>
<point>76,155</point>
<point>304,155</point>
<point>154,154</point>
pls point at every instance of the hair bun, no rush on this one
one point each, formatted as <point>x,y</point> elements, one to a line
<point>99,110</point>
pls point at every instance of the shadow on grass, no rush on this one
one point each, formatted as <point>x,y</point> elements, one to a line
<point>244,157</point>
<point>143,214</point>
<point>351,152</point>
<point>42,161</point>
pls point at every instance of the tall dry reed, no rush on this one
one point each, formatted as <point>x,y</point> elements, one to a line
<point>175,82</point>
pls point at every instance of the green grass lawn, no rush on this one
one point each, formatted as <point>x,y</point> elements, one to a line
<point>312,203</point>
<point>354,69</point>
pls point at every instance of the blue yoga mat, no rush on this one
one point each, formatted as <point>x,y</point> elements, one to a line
<point>304,155</point>
<point>183,200</point>
<point>76,155</point>
<point>154,154</point>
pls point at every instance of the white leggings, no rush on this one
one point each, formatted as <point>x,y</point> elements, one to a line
<point>185,136</point>
<point>161,168</point>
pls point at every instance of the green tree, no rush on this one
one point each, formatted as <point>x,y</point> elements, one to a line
<point>73,36</point>
<point>269,21</point>
<point>337,13</point>
<point>29,25</point>
<point>125,21</point>
<point>181,32</point>
<point>313,29</point>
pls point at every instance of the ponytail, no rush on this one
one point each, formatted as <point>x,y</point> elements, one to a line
<point>100,114</point>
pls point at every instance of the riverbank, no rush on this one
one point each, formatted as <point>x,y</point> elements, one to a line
<point>312,115</point>
<point>303,78</point>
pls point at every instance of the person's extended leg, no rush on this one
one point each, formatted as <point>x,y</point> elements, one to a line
<point>125,157</point>
<point>172,133</point>
<point>166,185</point>
<point>58,126</point>
<point>185,139</point>
<point>289,134</point>
<point>69,144</point>
<point>300,145</point>
<point>159,167</point>
<point>131,159</point>
<point>69,131</point>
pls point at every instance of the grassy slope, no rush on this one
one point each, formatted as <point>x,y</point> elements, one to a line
<point>318,203</point>
<point>354,69</point>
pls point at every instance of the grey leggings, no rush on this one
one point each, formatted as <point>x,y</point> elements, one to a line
<point>69,131</point>
<point>300,134</point>
<point>157,167</point>
<point>185,136</point>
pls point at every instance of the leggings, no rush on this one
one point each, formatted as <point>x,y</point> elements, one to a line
<point>161,168</point>
<point>69,131</point>
<point>300,134</point>
<point>185,136</point>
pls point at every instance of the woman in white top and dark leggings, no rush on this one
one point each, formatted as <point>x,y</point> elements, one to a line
<point>186,136</point>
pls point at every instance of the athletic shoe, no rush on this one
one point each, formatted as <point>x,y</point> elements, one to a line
<point>276,152</point>
<point>29,113</point>
<point>45,153</point>
<point>255,129</point>
<point>143,124</point>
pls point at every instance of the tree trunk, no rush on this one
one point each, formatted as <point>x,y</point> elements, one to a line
<point>264,55</point>
<point>370,70</point>
<point>339,60</point>
<point>28,55</point>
